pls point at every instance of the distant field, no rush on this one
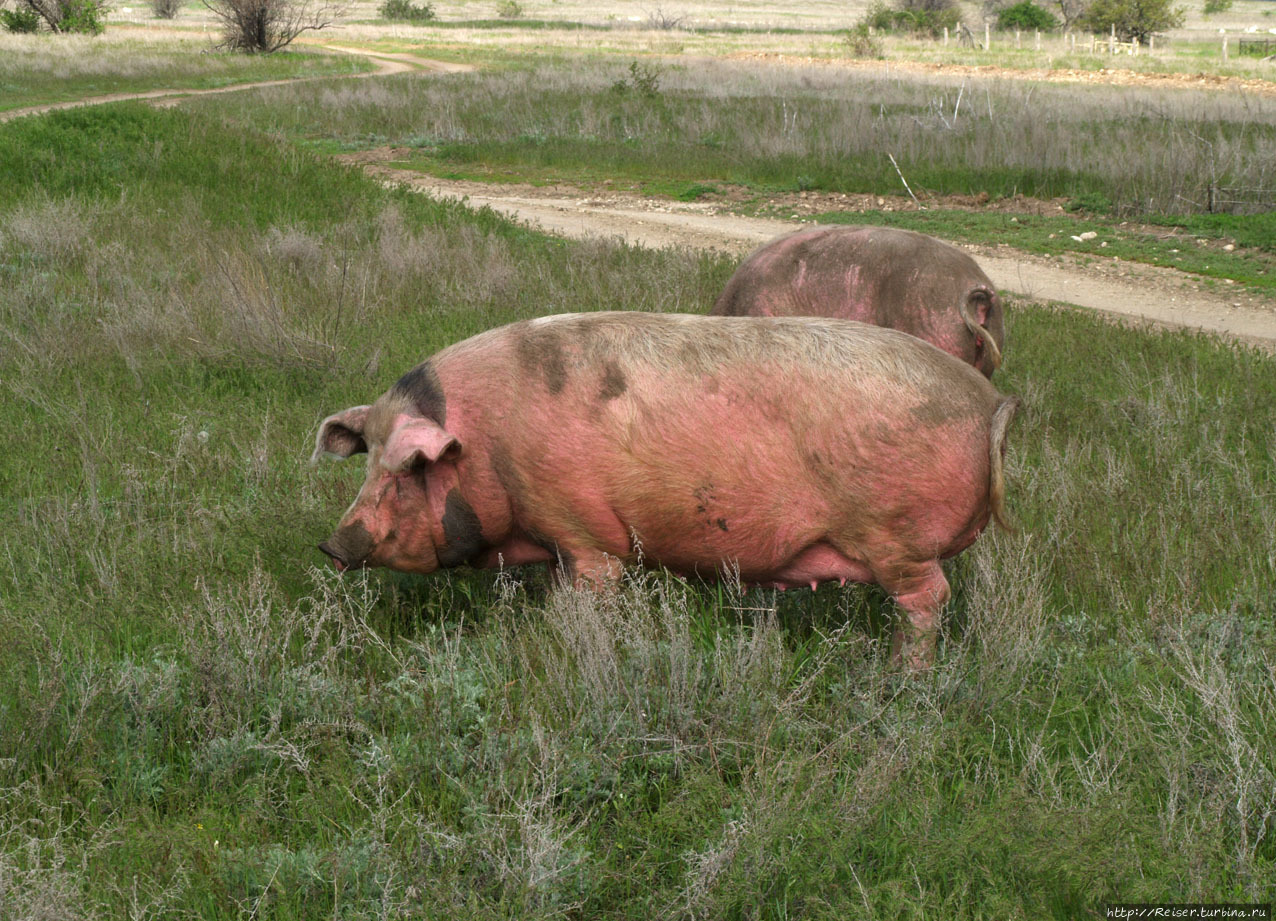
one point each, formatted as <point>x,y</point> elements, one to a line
<point>197,720</point>
<point>1115,152</point>
<point>37,69</point>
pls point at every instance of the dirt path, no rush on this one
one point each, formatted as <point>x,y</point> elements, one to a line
<point>1127,290</point>
<point>386,64</point>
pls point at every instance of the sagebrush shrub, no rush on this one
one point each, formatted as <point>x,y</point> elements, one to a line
<point>861,42</point>
<point>404,11</point>
<point>83,16</point>
<point>20,20</point>
<point>1026,15</point>
<point>920,17</point>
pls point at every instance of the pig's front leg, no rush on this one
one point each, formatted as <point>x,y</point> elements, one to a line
<point>586,569</point>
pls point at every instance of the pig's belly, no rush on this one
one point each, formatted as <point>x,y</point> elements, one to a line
<point>816,563</point>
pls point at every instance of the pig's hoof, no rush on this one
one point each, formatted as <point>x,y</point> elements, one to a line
<point>911,652</point>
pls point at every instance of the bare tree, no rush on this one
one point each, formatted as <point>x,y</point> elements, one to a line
<point>659,19</point>
<point>1069,11</point>
<point>263,26</point>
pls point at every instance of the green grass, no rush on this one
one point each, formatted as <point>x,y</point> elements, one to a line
<point>1252,265</point>
<point>36,71</point>
<point>721,122</point>
<point>196,720</point>
<point>537,25</point>
<point>1177,247</point>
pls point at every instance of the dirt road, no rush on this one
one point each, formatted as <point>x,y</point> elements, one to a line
<point>1127,290</point>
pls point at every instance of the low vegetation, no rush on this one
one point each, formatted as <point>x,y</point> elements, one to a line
<point>21,20</point>
<point>35,71</point>
<point>1026,15</point>
<point>1143,151</point>
<point>1205,248</point>
<point>84,17</point>
<point>196,720</point>
<point>405,11</point>
<point>919,17</point>
<point>166,9</point>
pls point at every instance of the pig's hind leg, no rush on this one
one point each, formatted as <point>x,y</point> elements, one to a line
<point>921,591</point>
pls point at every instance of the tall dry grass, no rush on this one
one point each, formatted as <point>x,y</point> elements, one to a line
<point>1144,150</point>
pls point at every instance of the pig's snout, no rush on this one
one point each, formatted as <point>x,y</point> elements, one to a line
<point>327,548</point>
<point>349,547</point>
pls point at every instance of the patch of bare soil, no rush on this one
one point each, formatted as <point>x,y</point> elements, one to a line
<point>1127,290</point>
<point>1113,76</point>
<point>727,196</point>
<point>411,62</point>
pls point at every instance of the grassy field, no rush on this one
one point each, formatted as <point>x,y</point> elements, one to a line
<point>197,720</point>
<point>38,69</point>
<point>1134,165</point>
<point>754,124</point>
<point>789,33</point>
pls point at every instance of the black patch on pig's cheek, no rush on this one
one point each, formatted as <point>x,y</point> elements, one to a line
<point>421,385</point>
<point>462,532</point>
<point>614,383</point>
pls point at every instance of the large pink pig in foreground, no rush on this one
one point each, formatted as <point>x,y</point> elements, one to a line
<point>796,450</point>
<point>896,278</point>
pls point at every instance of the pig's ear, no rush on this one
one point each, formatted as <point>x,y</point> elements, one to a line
<point>420,440</point>
<point>341,434</point>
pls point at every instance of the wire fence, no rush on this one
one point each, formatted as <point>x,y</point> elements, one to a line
<point>1257,47</point>
<point>1232,200</point>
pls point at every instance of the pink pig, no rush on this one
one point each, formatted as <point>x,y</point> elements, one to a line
<point>794,450</point>
<point>896,278</point>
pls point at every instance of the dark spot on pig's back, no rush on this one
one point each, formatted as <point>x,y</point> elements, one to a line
<point>462,531</point>
<point>952,398</point>
<point>614,383</point>
<point>541,351</point>
<point>421,385</point>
